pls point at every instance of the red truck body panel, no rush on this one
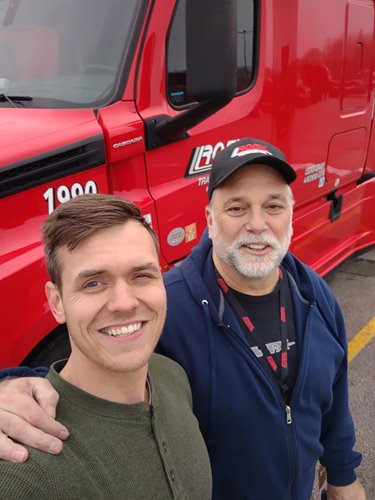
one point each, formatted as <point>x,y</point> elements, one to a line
<point>312,95</point>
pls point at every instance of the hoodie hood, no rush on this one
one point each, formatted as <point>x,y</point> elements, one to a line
<point>199,272</point>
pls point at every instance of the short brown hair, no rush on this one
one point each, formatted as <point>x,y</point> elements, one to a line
<point>81,217</point>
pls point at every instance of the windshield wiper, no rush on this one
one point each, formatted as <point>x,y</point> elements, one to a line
<point>12,99</point>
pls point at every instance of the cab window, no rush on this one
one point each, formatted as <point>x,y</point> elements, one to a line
<point>176,63</point>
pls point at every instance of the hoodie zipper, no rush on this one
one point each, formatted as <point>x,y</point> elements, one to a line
<point>292,440</point>
<point>300,374</point>
<point>288,412</point>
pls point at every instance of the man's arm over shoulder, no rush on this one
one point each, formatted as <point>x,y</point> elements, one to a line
<point>27,415</point>
<point>23,371</point>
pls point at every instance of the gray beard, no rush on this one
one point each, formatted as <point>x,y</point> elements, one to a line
<point>252,266</point>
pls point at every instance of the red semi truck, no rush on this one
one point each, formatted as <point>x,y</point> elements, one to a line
<point>135,98</point>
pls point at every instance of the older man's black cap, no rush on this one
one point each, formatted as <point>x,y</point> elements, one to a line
<point>247,152</point>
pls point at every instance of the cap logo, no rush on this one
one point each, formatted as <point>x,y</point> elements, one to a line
<point>250,149</point>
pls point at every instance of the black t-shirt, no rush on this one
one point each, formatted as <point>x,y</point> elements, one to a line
<point>264,312</point>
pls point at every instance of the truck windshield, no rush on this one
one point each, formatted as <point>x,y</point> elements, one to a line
<point>65,53</point>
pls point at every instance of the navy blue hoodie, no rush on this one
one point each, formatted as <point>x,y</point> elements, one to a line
<point>255,453</point>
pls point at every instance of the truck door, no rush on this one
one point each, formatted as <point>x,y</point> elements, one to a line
<point>323,53</point>
<point>304,83</point>
<point>178,172</point>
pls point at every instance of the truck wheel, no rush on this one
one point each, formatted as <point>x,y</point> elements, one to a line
<point>52,348</point>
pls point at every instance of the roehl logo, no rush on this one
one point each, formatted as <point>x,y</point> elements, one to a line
<point>250,149</point>
<point>202,157</point>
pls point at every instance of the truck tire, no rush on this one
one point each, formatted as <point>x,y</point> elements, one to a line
<point>52,348</point>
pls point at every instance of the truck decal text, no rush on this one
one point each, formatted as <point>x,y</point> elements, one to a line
<point>55,196</point>
<point>202,156</point>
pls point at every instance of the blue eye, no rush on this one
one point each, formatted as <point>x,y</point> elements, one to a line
<point>92,284</point>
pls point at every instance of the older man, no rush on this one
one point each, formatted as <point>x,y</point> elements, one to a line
<point>132,431</point>
<point>262,340</point>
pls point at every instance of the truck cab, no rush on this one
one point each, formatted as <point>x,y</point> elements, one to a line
<point>136,98</point>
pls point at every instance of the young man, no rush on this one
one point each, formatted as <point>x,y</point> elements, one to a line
<point>132,430</point>
<point>261,338</point>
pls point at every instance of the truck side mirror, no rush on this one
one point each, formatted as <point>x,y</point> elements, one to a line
<point>211,49</point>
<point>211,68</point>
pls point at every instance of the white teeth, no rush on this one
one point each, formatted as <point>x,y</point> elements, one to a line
<point>123,331</point>
<point>254,246</point>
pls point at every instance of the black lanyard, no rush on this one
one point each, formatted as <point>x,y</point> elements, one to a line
<point>254,341</point>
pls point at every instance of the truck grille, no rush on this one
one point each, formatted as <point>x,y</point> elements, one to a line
<point>52,165</point>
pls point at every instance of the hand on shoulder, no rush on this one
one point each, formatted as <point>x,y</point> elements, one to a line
<point>27,415</point>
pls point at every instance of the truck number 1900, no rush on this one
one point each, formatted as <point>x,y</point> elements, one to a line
<point>55,196</point>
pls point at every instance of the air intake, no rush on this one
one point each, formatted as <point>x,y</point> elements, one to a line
<point>52,165</point>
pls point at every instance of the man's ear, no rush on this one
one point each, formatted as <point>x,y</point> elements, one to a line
<point>55,302</point>
<point>209,221</point>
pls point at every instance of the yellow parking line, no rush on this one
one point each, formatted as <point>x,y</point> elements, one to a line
<point>362,338</point>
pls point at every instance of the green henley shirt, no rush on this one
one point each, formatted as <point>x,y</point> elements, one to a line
<point>118,451</point>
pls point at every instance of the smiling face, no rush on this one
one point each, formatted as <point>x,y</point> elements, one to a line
<point>250,224</point>
<point>112,299</point>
